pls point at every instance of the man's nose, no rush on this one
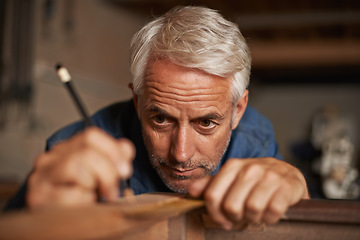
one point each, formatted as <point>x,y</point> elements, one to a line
<point>182,144</point>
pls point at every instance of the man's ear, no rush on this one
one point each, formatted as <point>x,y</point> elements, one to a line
<point>240,108</point>
<point>135,97</point>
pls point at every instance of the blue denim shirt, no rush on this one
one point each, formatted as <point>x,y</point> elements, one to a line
<point>252,138</point>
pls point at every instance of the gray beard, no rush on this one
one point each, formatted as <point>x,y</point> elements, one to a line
<point>208,165</point>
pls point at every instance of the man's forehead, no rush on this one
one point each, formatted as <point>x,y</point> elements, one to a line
<point>168,73</point>
<point>172,88</point>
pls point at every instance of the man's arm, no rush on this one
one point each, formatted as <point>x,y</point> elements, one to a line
<point>257,190</point>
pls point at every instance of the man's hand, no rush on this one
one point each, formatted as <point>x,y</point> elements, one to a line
<point>78,171</point>
<point>258,190</point>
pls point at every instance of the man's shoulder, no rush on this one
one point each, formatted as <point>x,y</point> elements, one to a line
<point>252,120</point>
<point>253,137</point>
<point>111,119</point>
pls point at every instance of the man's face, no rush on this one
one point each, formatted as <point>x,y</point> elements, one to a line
<point>186,118</point>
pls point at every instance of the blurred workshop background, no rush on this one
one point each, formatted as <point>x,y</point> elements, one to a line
<point>305,77</point>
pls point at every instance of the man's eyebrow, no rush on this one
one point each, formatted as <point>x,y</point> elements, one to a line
<point>212,116</point>
<point>156,109</point>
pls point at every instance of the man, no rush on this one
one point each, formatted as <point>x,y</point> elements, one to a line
<point>190,70</point>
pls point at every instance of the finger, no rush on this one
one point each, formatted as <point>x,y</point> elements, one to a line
<point>104,173</point>
<point>276,209</point>
<point>64,196</point>
<point>89,169</point>
<point>127,152</point>
<point>69,197</point>
<point>234,203</point>
<point>120,152</point>
<point>260,196</point>
<point>289,192</point>
<point>37,191</point>
<point>216,190</point>
<point>47,195</point>
<point>88,162</point>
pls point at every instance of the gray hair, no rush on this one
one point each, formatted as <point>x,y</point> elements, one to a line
<point>193,37</point>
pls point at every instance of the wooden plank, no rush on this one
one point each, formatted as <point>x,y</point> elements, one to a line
<point>157,230</point>
<point>145,216</point>
<point>335,211</point>
<point>177,228</point>
<point>194,225</point>
<point>290,230</point>
<point>309,219</point>
<point>153,206</point>
<point>158,216</point>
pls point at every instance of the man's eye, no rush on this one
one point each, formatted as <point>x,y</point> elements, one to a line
<point>206,123</point>
<point>206,126</point>
<point>159,119</point>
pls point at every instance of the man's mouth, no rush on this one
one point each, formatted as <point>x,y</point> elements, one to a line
<point>180,172</point>
<point>184,171</point>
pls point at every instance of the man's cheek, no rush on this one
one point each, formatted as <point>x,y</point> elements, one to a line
<point>158,143</point>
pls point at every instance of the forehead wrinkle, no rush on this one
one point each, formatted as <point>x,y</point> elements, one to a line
<point>209,113</point>
<point>161,105</point>
<point>163,97</point>
<point>185,94</point>
<point>182,86</point>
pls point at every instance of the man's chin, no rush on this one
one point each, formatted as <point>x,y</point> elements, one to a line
<point>178,185</point>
